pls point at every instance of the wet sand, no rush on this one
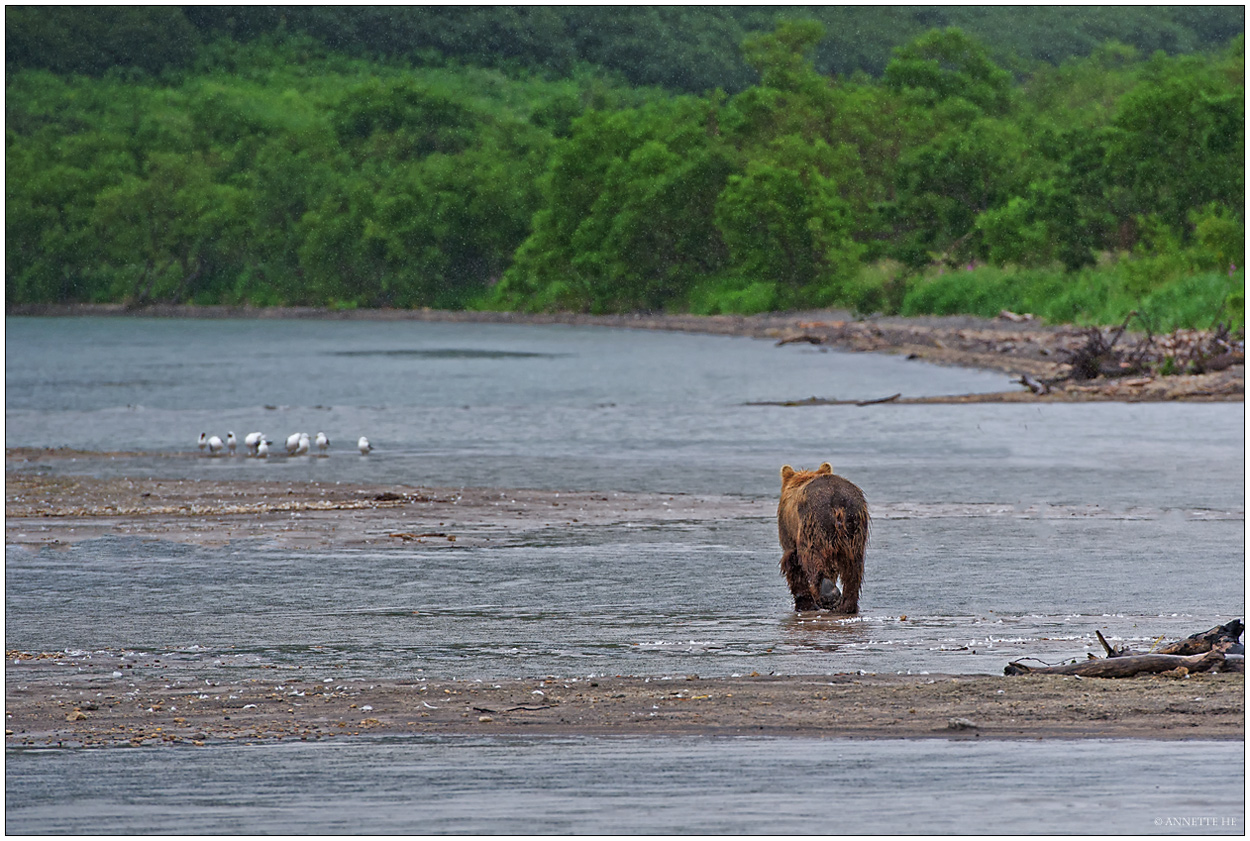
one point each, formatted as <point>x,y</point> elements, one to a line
<point>120,698</point>
<point>58,699</point>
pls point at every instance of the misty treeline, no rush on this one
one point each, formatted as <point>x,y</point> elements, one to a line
<point>291,169</point>
<point>691,49</point>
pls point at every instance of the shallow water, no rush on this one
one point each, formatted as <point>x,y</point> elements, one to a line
<point>611,786</point>
<point>678,599</point>
<point>1000,532</point>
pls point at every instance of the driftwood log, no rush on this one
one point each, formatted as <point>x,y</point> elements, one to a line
<point>1126,665</point>
<point>1035,386</point>
<point>1218,649</point>
<point>1225,637</point>
<point>1207,640</point>
<point>889,399</point>
<point>802,337</point>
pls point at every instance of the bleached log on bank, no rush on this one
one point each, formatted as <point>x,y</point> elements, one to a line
<point>1126,665</point>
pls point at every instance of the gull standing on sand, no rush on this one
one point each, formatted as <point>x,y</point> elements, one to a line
<point>203,441</point>
<point>252,441</point>
<point>364,446</point>
<point>301,449</point>
<point>292,443</point>
<point>231,443</point>
<point>214,445</point>
<point>262,448</point>
<point>323,443</point>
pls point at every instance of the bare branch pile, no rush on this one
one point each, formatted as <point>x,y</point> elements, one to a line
<point>1216,650</point>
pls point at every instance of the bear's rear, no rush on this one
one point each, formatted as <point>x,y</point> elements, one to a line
<point>827,494</point>
<point>823,523</point>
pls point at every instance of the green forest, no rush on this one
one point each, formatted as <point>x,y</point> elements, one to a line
<point>1080,164</point>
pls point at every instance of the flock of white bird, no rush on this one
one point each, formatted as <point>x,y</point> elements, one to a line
<point>258,446</point>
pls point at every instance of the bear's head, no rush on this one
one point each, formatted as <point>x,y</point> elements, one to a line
<point>791,477</point>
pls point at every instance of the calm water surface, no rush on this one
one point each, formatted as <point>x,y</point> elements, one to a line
<point>607,786</point>
<point>1001,531</point>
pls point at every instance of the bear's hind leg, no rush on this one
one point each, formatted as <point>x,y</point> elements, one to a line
<point>851,574</point>
<point>797,581</point>
<point>851,528</point>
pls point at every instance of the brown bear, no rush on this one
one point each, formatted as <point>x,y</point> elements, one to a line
<point>822,521</point>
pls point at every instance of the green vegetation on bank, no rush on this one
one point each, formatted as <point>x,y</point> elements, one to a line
<point>284,167</point>
<point>279,174</point>
<point>1091,190</point>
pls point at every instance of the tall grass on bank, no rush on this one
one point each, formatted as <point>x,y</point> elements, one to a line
<point>1163,300</point>
<point>1096,296</point>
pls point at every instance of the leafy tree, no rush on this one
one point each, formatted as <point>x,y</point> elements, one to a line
<point>628,216</point>
<point>1177,143</point>
<point>781,57</point>
<point>93,39</point>
<point>168,230</point>
<point>366,157</point>
<point>1221,238</point>
<point>785,225</point>
<point>1037,228</point>
<point>691,49</point>
<point>402,120</point>
<point>448,227</point>
<point>945,184</point>
<point>947,64</point>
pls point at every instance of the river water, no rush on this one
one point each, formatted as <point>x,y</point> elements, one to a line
<point>609,786</point>
<point>1001,531</point>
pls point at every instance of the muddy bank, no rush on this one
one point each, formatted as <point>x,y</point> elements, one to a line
<point>1015,345</point>
<point>114,698</point>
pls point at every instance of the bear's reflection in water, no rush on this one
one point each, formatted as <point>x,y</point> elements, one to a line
<point>822,630</point>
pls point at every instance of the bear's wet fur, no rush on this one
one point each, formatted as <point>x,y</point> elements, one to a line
<point>822,521</point>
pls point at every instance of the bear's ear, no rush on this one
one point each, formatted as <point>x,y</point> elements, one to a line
<point>786,472</point>
<point>825,467</point>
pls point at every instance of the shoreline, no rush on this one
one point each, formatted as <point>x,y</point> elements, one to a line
<point>102,709</point>
<point>1015,345</point>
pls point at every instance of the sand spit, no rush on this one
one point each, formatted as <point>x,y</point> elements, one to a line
<point>93,706</point>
